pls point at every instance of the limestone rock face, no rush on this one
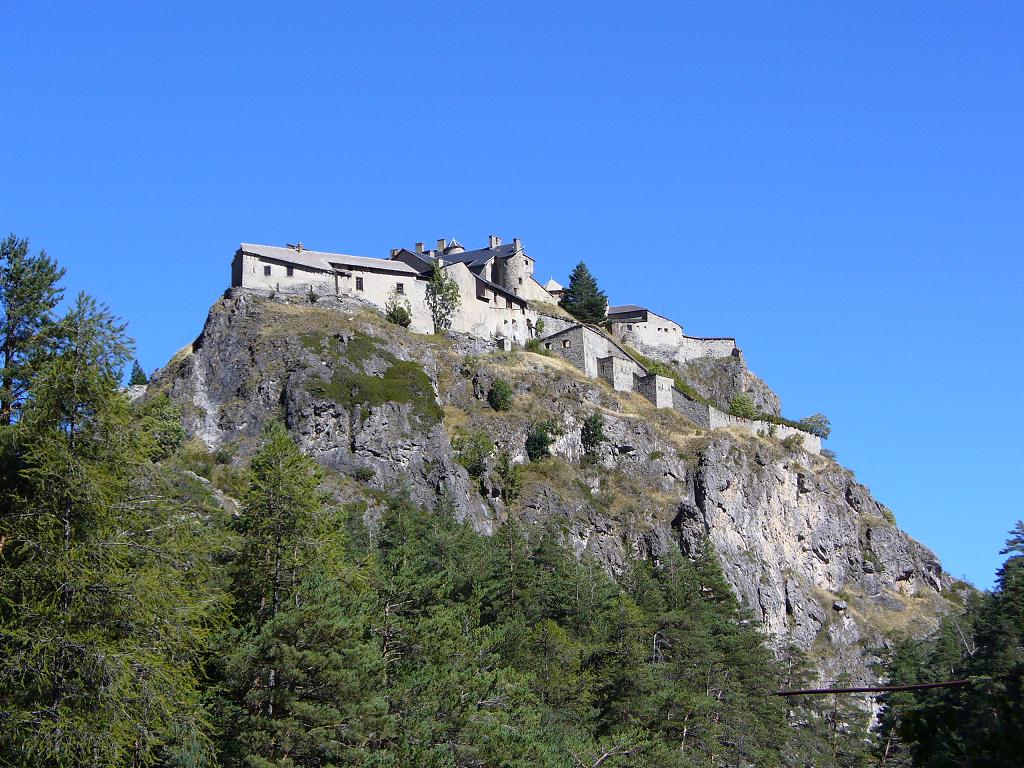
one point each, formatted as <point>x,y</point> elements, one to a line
<point>720,379</point>
<point>796,534</point>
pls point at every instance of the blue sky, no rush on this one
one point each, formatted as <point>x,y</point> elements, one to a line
<point>841,188</point>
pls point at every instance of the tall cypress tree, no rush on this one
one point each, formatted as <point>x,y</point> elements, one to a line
<point>29,292</point>
<point>582,298</point>
<point>102,610</point>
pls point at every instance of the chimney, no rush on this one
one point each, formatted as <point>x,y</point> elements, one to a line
<point>517,244</point>
<point>441,244</point>
<point>394,252</point>
<point>493,241</point>
<point>419,247</point>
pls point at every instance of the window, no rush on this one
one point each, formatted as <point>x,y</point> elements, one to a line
<point>565,344</point>
<point>400,288</point>
<point>629,327</point>
<point>520,281</point>
<point>291,271</point>
<point>266,271</point>
<point>547,345</point>
<point>359,283</point>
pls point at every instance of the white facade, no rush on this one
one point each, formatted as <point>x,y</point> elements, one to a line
<point>486,310</point>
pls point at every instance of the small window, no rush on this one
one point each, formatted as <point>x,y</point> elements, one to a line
<point>290,271</point>
<point>400,288</point>
<point>547,345</point>
<point>565,344</point>
<point>359,283</point>
<point>266,271</point>
<point>520,281</point>
<point>629,327</point>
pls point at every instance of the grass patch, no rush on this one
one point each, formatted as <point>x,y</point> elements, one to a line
<point>404,381</point>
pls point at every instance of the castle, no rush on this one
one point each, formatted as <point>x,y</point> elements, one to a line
<point>502,301</point>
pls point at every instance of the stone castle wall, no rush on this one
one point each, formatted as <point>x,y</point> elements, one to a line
<point>600,357</point>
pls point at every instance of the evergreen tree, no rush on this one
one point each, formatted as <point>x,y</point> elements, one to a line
<point>138,376</point>
<point>979,725</point>
<point>105,590</point>
<point>582,298</point>
<point>29,292</point>
<point>300,686</point>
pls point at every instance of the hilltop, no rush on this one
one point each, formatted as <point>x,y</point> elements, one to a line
<point>817,560</point>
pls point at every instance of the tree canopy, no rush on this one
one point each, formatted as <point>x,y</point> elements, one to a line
<point>582,298</point>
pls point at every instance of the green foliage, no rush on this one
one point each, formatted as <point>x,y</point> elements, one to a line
<point>138,376</point>
<point>817,424</point>
<point>472,450</point>
<point>793,442</point>
<point>107,595</point>
<point>582,298</point>
<point>363,474</point>
<point>443,298</point>
<point>29,292</point>
<point>540,439</point>
<point>535,346</point>
<point>508,476</point>
<point>397,309</point>
<point>539,327</point>
<point>404,381</point>
<point>500,395</point>
<point>981,724</point>
<point>592,434</point>
<point>742,406</point>
<point>160,421</point>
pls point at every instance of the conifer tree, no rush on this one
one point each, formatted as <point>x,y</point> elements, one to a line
<point>138,376</point>
<point>105,596</point>
<point>29,292</point>
<point>582,298</point>
<point>300,686</point>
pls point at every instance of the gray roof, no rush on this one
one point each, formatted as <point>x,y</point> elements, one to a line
<point>325,261</point>
<point>626,309</point>
<point>480,256</point>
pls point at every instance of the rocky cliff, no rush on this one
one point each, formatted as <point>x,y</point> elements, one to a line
<point>804,545</point>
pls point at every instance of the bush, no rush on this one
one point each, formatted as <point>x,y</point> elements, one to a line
<point>592,434</point>
<point>398,310</point>
<point>473,449</point>
<point>829,454</point>
<point>509,477</point>
<point>534,345</point>
<point>540,439</point>
<point>500,395</point>
<point>363,474</point>
<point>311,296</point>
<point>742,406</point>
<point>538,329</point>
<point>818,424</point>
<point>793,442</point>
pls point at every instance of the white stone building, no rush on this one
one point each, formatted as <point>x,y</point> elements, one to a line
<point>649,331</point>
<point>496,283</point>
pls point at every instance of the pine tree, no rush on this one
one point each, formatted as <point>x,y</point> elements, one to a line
<point>582,298</point>
<point>300,685</point>
<point>29,292</point>
<point>138,376</point>
<point>105,596</point>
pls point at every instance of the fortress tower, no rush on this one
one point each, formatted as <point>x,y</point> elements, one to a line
<point>515,270</point>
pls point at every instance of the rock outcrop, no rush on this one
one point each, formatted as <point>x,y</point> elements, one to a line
<point>816,559</point>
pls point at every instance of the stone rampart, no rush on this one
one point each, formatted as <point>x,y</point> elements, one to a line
<point>657,389</point>
<point>720,420</point>
<point>618,372</point>
<point>692,348</point>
